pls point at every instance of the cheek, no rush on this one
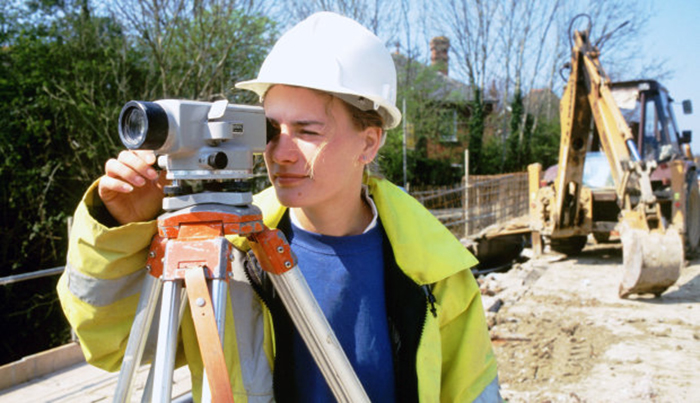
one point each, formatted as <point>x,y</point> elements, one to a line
<point>267,153</point>
<point>338,160</point>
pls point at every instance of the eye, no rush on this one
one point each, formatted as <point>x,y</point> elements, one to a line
<point>273,130</point>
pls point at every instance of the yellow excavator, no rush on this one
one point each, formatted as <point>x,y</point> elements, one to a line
<point>651,198</point>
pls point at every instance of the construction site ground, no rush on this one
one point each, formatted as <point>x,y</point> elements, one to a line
<point>561,334</point>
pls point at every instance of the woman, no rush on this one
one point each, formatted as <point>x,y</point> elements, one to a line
<point>393,282</point>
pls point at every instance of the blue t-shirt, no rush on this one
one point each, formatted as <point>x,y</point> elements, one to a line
<point>346,275</point>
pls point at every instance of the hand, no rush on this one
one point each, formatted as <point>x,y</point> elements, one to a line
<point>131,189</point>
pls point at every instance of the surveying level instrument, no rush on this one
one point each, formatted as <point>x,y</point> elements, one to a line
<point>190,258</point>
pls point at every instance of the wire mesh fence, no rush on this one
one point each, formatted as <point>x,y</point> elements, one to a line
<point>484,201</point>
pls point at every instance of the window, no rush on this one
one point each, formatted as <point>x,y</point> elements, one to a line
<point>447,126</point>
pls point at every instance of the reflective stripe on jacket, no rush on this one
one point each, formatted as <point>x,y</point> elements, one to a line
<point>454,360</point>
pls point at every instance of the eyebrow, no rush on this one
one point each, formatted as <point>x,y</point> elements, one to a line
<point>301,123</point>
<point>309,123</point>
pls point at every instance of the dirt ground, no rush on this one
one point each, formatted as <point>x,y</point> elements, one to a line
<point>561,334</point>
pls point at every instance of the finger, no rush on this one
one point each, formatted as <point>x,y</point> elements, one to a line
<point>141,161</point>
<point>108,183</point>
<point>120,170</point>
<point>149,156</point>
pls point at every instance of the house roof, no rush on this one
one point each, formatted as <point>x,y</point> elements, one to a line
<point>440,87</point>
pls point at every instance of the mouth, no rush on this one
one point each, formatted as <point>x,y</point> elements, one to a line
<point>288,179</point>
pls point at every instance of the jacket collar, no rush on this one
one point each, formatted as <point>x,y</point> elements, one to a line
<point>424,249</point>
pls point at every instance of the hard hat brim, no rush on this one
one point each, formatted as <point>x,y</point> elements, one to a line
<point>390,113</point>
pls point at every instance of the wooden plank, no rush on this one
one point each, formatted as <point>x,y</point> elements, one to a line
<point>40,364</point>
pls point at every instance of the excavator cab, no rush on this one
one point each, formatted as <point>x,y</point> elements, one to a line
<point>647,109</point>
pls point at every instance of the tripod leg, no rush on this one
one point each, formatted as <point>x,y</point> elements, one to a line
<point>148,387</point>
<point>275,256</point>
<point>318,336</point>
<point>137,338</point>
<point>219,299</point>
<point>167,341</point>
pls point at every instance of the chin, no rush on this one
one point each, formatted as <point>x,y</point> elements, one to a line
<point>289,198</point>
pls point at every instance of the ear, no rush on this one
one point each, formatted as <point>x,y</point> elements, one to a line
<point>372,140</point>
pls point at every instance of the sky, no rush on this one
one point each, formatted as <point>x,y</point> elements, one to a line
<point>674,34</point>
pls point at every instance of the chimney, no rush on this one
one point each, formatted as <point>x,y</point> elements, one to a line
<point>439,46</point>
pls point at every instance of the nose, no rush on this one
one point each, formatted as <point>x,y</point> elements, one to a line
<point>282,149</point>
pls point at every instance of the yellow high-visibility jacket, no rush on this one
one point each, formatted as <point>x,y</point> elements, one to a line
<point>442,349</point>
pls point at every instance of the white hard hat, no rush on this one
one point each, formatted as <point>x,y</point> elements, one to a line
<point>335,54</point>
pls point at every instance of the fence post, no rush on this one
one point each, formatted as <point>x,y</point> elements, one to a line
<point>69,225</point>
<point>534,172</point>
<point>465,204</point>
<point>501,200</point>
<point>405,175</point>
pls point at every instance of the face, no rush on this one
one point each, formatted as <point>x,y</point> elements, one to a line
<point>317,157</point>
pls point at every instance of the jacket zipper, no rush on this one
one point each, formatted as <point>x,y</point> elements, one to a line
<point>428,291</point>
<point>257,282</point>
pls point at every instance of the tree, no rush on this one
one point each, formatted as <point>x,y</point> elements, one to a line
<point>522,45</point>
<point>470,23</point>
<point>61,71</point>
<point>379,16</point>
<point>513,160</point>
<point>65,73</point>
<point>476,124</point>
<point>197,49</point>
<point>421,112</point>
<point>471,26</point>
<point>434,106</point>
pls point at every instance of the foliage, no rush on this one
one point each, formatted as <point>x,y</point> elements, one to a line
<point>539,144</point>
<point>58,85</point>
<point>545,144</point>
<point>198,50</point>
<point>491,152</point>
<point>513,141</point>
<point>378,16</point>
<point>421,112</point>
<point>518,141</point>
<point>420,170</point>
<point>476,125</point>
<point>390,158</point>
<point>65,73</point>
<point>436,172</point>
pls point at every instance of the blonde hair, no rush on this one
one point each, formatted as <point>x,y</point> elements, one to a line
<point>363,119</point>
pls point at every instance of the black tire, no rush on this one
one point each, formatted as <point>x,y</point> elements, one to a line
<point>569,246</point>
<point>601,237</point>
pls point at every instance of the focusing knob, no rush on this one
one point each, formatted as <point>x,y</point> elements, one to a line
<point>218,160</point>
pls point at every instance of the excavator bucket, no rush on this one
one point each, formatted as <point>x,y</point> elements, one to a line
<point>652,260</point>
